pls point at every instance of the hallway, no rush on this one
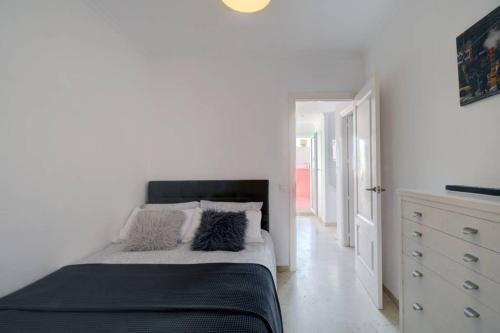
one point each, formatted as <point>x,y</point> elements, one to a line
<point>324,295</point>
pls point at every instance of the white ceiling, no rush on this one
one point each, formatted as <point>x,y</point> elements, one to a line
<point>178,27</point>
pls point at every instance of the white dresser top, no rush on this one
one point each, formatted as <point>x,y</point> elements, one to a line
<point>484,203</point>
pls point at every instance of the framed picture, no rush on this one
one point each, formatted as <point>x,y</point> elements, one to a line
<point>478,56</point>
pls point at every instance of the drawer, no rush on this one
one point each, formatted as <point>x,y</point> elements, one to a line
<point>417,321</point>
<point>442,304</point>
<point>487,264</point>
<point>421,321</point>
<point>475,230</point>
<point>422,292</point>
<point>471,283</point>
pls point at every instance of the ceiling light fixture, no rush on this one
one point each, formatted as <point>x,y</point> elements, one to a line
<point>246,6</point>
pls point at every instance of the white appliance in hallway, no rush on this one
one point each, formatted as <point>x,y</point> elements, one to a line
<point>367,191</point>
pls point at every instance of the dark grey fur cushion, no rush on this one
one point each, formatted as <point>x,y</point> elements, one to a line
<point>220,231</point>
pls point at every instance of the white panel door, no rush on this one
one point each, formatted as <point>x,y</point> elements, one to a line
<point>367,191</point>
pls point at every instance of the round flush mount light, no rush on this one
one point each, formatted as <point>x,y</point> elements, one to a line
<point>246,6</point>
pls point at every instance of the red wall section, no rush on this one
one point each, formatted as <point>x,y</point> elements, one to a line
<point>303,190</point>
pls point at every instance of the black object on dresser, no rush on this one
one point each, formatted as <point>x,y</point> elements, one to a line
<point>473,189</point>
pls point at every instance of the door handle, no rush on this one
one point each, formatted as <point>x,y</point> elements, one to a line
<point>377,189</point>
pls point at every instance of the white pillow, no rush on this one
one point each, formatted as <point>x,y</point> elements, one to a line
<point>184,228</point>
<point>252,234</point>
<point>230,206</point>
<point>125,230</point>
<point>180,205</point>
<point>193,226</point>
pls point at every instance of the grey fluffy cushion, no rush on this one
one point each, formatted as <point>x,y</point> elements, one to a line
<point>155,230</point>
<point>220,231</point>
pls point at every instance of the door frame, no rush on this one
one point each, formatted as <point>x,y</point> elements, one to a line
<point>310,137</point>
<point>292,99</point>
<point>345,219</point>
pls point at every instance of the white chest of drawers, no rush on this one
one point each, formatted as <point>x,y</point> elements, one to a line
<point>450,267</point>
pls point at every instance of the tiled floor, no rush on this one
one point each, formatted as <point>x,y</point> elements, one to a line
<point>324,295</point>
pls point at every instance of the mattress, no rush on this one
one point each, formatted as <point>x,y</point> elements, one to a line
<point>254,253</point>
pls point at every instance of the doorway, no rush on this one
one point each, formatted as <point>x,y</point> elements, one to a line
<point>315,163</point>
<point>313,152</point>
<point>315,249</point>
<point>365,181</point>
<point>306,175</point>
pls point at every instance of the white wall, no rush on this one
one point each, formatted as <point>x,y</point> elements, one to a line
<point>227,117</point>
<point>82,129</point>
<point>73,134</point>
<point>428,141</point>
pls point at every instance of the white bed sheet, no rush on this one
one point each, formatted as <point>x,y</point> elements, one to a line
<point>256,253</point>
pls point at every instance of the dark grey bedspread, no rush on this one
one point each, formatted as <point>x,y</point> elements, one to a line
<point>220,297</point>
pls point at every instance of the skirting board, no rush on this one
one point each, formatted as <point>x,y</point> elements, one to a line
<point>281,269</point>
<point>393,298</point>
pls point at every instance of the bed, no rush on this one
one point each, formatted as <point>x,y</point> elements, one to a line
<point>254,253</point>
<point>159,291</point>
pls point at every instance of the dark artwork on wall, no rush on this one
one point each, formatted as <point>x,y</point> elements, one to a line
<point>478,55</point>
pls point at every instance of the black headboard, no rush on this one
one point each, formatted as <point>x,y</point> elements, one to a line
<point>214,190</point>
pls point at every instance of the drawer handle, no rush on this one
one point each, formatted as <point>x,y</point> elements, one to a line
<point>417,274</point>
<point>468,285</point>
<point>471,313</point>
<point>417,215</point>
<point>470,258</point>
<point>418,307</point>
<point>416,254</point>
<point>417,234</point>
<point>470,231</point>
